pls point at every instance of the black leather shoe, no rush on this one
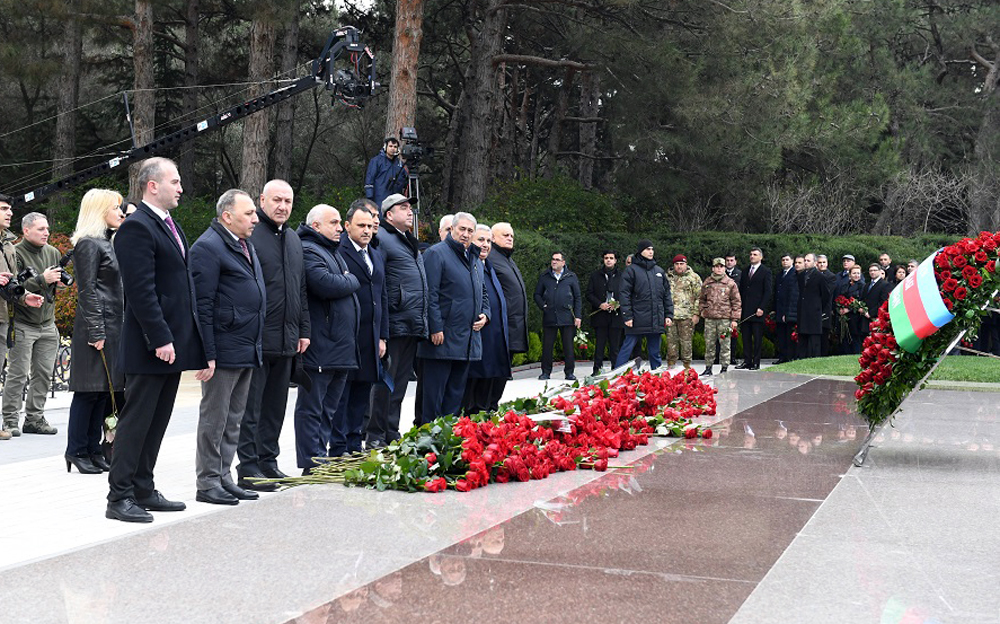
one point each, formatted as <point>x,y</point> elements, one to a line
<point>707,372</point>
<point>245,483</point>
<point>127,511</point>
<point>273,473</point>
<point>98,460</point>
<point>543,376</point>
<point>753,367</point>
<point>157,502</point>
<point>239,492</point>
<point>216,496</point>
<point>571,377</point>
<point>374,444</point>
<point>83,465</point>
<point>743,366</point>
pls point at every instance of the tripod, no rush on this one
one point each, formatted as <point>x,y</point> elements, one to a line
<point>413,190</point>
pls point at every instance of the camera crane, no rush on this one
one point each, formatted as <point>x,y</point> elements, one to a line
<point>352,86</point>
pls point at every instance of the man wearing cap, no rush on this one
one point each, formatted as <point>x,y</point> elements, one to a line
<point>646,304</point>
<point>720,305</point>
<point>558,296</point>
<point>844,277</point>
<point>685,288</point>
<point>386,174</point>
<point>406,289</point>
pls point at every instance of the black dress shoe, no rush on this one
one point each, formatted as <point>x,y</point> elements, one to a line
<point>273,473</point>
<point>239,492</point>
<point>98,460</point>
<point>245,483</point>
<point>216,496</point>
<point>157,502</point>
<point>127,511</point>
<point>743,366</point>
<point>754,367</point>
<point>83,464</point>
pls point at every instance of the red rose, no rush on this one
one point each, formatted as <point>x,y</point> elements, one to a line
<point>707,434</point>
<point>462,485</point>
<point>431,459</point>
<point>991,266</point>
<point>859,394</point>
<point>959,262</point>
<point>942,261</point>
<point>949,285</point>
<point>960,293</point>
<point>969,271</point>
<point>976,280</point>
<point>981,256</point>
<point>948,304</point>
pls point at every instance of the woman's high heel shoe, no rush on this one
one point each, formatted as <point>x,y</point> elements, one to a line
<point>83,464</point>
<point>100,463</point>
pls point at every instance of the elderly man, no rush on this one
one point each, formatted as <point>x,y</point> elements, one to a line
<point>286,334</point>
<point>720,306</point>
<point>493,370</point>
<point>406,289</point>
<point>229,285</point>
<point>514,292</point>
<point>458,308</point>
<point>557,294</point>
<point>444,226</point>
<point>685,288</point>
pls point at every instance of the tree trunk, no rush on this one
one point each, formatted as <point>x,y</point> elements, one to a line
<point>284,125</point>
<point>69,94</point>
<point>192,48</point>
<point>589,102</point>
<point>405,54</point>
<point>985,198</point>
<point>555,133</point>
<point>256,133</point>
<point>143,101</point>
<point>536,122</point>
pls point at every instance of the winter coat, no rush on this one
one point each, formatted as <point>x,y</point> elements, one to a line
<point>39,259</point>
<point>645,297</point>
<point>516,295</point>
<point>231,301</point>
<point>100,308</point>
<point>280,255</point>
<point>786,297</point>
<point>8,264</point>
<point>405,282</point>
<point>373,324</point>
<point>814,302</point>
<point>559,299</point>
<point>685,290</point>
<point>601,286</point>
<point>384,177</point>
<point>333,305</point>
<point>719,299</point>
<point>456,297</point>
<point>496,356</point>
<point>756,293</point>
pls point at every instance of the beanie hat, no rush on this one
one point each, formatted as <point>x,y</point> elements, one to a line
<point>643,244</point>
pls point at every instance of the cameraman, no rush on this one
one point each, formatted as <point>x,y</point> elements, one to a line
<point>386,174</point>
<point>36,338</point>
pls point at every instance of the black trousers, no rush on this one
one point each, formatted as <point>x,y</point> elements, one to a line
<point>610,336</point>
<point>86,421</point>
<point>752,336</point>
<point>348,422</point>
<point>149,401</point>
<point>258,446</point>
<point>386,406</point>
<point>549,341</point>
<point>810,345</point>
<point>444,386</point>
<point>483,395</point>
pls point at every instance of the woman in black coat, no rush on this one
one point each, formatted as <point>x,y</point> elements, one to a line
<point>96,330</point>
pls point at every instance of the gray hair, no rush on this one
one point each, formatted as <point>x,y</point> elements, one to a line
<point>151,169</point>
<point>446,221</point>
<point>29,219</point>
<point>316,213</point>
<point>459,216</point>
<point>227,201</point>
<point>822,257</point>
<point>484,227</point>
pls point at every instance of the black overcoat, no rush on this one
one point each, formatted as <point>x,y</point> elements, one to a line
<point>645,297</point>
<point>516,295</point>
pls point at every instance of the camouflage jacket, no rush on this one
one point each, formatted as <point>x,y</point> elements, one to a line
<point>684,289</point>
<point>720,299</point>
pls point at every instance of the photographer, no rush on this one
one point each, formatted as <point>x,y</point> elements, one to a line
<point>386,174</point>
<point>36,338</point>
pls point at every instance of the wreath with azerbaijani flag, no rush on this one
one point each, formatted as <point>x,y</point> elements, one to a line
<point>945,296</point>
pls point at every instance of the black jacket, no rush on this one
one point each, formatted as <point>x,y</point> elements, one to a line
<point>602,284</point>
<point>756,293</point>
<point>231,300</point>
<point>559,300</point>
<point>645,297</point>
<point>159,297</point>
<point>100,308</point>
<point>280,255</point>
<point>456,297</point>
<point>333,305</point>
<point>874,295</point>
<point>831,287</point>
<point>516,295</point>
<point>373,324</point>
<point>405,282</point>
<point>814,301</point>
<point>786,297</point>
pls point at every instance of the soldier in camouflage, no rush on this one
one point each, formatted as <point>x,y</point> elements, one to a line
<point>685,287</point>
<point>720,305</point>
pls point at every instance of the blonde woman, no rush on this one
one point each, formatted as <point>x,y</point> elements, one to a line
<point>96,329</point>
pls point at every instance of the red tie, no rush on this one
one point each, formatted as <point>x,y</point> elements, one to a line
<point>177,237</point>
<point>246,251</point>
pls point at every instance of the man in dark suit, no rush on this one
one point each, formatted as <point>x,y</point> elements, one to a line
<point>368,266</point>
<point>557,294</point>
<point>814,306</point>
<point>603,284</point>
<point>829,331</point>
<point>160,338</point>
<point>514,292</point>
<point>786,308</point>
<point>876,292</point>
<point>756,294</point>
<point>230,287</point>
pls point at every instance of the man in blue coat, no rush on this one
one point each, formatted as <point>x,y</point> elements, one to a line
<point>457,309</point>
<point>229,284</point>
<point>488,376</point>
<point>333,350</point>
<point>786,306</point>
<point>386,173</point>
<point>160,338</point>
<point>368,266</point>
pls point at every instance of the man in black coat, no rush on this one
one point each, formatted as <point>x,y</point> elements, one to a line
<point>829,333</point>
<point>558,295</point>
<point>368,266</point>
<point>286,334</point>
<point>786,308</point>
<point>646,304</point>
<point>333,352</point>
<point>814,306</point>
<point>601,289</point>
<point>875,293</point>
<point>230,287</point>
<point>406,289</point>
<point>756,291</point>
<point>160,338</point>
<point>514,290</point>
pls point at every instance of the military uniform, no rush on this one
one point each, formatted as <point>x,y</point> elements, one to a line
<point>685,289</point>
<point>720,305</point>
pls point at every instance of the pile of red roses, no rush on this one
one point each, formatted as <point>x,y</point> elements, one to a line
<point>966,276</point>
<point>593,423</point>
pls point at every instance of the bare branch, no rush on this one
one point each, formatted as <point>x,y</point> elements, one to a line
<point>524,59</point>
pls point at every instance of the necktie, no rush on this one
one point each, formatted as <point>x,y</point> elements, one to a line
<point>752,269</point>
<point>177,236</point>
<point>368,262</point>
<point>246,251</point>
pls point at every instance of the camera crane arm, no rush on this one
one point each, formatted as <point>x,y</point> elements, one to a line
<point>352,86</point>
